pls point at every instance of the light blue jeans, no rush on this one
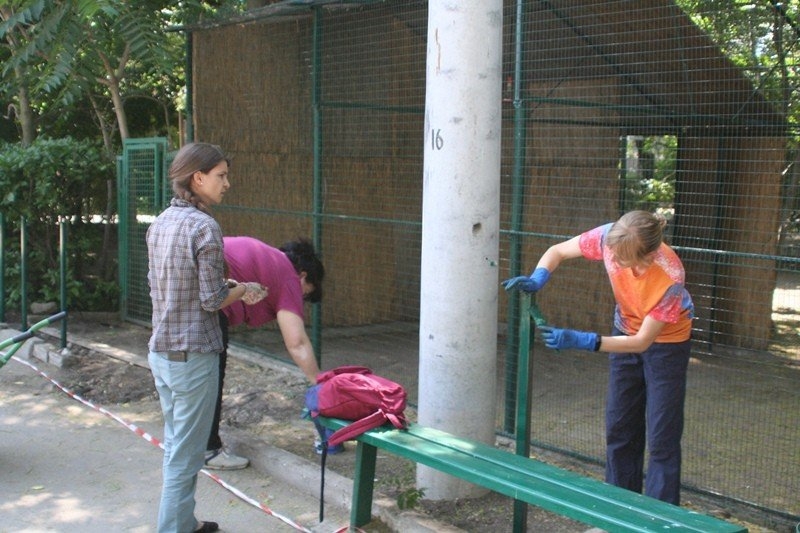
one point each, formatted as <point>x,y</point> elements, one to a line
<point>188,393</point>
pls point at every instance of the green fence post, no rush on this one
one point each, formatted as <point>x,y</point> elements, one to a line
<point>122,235</point>
<point>2,268</point>
<point>189,134</point>
<point>316,76</point>
<point>62,250</point>
<point>522,425</point>
<point>23,272</point>
<point>517,211</point>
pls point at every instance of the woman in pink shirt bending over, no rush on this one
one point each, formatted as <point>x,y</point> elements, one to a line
<point>292,275</point>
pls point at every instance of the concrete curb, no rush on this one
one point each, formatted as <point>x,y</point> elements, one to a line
<point>304,475</point>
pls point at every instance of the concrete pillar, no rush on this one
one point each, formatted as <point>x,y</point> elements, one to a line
<point>460,226</point>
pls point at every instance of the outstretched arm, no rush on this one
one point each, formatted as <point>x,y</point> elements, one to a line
<point>557,253</point>
<point>298,344</point>
<point>549,261</point>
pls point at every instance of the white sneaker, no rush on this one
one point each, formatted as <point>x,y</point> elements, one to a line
<point>222,460</point>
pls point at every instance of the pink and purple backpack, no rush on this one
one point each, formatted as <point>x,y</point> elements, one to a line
<point>355,393</point>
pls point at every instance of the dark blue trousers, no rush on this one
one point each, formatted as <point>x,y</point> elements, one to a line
<point>646,393</point>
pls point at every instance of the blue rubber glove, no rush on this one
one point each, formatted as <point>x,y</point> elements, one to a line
<point>531,283</point>
<point>562,339</point>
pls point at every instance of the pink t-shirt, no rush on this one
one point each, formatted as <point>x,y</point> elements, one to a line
<point>249,259</point>
<point>659,292</point>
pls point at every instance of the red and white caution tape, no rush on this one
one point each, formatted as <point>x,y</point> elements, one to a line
<point>151,439</point>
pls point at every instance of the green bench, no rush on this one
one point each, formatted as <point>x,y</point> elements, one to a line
<point>517,476</point>
<point>523,479</point>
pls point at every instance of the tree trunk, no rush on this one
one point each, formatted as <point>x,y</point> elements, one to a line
<point>25,114</point>
<point>119,109</point>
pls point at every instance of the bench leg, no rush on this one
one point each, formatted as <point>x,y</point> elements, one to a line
<point>520,517</point>
<point>363,484</point>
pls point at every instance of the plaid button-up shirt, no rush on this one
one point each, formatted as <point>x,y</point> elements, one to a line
<point>187,279</point>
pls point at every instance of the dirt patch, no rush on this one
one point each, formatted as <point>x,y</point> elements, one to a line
<point>106,381</point>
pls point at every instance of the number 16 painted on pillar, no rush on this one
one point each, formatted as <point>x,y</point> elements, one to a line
<point>437,142</point>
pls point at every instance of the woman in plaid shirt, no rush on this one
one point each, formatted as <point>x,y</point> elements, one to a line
<point>188,288</point>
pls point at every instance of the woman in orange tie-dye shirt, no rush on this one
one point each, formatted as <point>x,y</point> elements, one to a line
<point>648,348</point>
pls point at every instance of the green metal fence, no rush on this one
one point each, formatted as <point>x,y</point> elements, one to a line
<point>141,192</point>
<point>607,106</point>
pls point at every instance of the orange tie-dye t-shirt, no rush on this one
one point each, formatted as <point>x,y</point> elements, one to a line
<point>659,292</point>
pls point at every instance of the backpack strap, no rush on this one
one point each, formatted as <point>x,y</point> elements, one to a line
<point>376,419</point>
<point>398,421</point>
<point>322,481</point>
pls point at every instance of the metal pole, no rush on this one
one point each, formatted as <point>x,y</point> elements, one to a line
<point>123,227</point>
<point>23,272</point>
<point>522,428</point>
<point>316,77</point>
<point>189,136</point>
<point>62,249</point>
<point>2,268</point>
<point>517,210</point>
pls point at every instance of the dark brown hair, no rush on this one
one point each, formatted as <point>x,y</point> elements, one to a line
<point>302,255</point>
<point>191,158</point>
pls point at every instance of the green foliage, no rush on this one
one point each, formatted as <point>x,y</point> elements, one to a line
<point>650,172</point>
<point>73,70</point>
<point>89,294</point>
<point>51,290</point>
<point>56,181</point>
<point>53,178</point>
<point>761,38</point>
<point>94,55</point>
<point>409,498</point>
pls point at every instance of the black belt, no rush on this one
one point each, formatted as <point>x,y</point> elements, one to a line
<point>179,357</point>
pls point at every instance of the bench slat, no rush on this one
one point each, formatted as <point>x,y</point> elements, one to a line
<point>554,489</point>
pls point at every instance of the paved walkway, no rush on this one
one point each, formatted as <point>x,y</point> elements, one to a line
<point>70,467</point>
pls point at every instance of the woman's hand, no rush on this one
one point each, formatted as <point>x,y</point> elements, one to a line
<point>253,292</point>
<point>563,339</point>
